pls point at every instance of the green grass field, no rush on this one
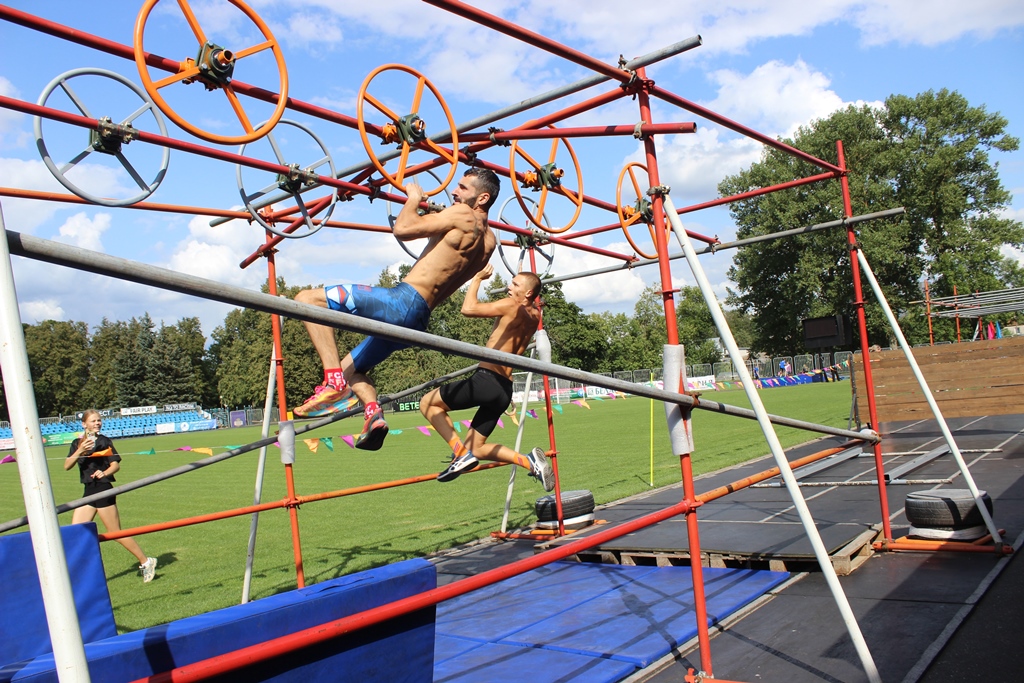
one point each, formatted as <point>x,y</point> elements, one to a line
<point>605,449</point>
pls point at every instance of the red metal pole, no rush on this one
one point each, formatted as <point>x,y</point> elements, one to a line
<point>275,647</point>
<point>754,193</point>
<point>672,98</point>
<point>282,404</point>
<point>685,460</point>
<point>553,451</point>
<point>498,24</point>
<point>862,326</point>
<point>120,50</point>
<point>928,311</point>
<point>579,132</point>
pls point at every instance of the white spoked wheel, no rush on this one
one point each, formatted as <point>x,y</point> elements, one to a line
<point>107,141</point>
<point>546,250</point>
<point>300,179</point>
<point>417,245</point>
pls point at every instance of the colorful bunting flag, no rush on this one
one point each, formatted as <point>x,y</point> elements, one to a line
<point>532,413</point>
<point>329,442</point>
<point>7,459</point>
<point>425,430</point>
<point>349,440</point>
<point>500,423</point>
<point>204,451</point>
<point>515,420</point>
<point>458,427</point>
<point>312,444</point>
<point>466,423</point>
<point>557,407</point>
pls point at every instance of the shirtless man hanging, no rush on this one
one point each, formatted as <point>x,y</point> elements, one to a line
<point>490,388</point>
<point>459,244</point>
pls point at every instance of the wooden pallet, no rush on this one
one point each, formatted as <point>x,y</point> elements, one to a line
<point>844,561</point>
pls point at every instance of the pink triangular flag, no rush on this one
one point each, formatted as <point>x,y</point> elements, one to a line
<point>184,448</point>
<point>466,423</point>
<point>532,413</point>
<point>500,423</point>
<point>425,430</point>
<point>7,459</point>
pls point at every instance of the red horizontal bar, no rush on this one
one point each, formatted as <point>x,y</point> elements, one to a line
<point>529,37</point>
<point>581,132</point>
<point>282,645</point>
<point>754,193</point>
<point>156,61</point>
<point>739,128</point>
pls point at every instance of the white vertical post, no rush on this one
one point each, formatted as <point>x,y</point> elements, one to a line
<point>943,427</point>
<point>51,564</point>
<point>827,570</point>
<point>250,554</point>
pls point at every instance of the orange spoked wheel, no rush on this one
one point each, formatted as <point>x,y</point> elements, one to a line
<point>640,210</point>
<point>214,67</point>
<point>407,132</point>
<point>547,178</point>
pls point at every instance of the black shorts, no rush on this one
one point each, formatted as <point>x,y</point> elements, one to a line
<point>99,486</point>
<point>484,388</point>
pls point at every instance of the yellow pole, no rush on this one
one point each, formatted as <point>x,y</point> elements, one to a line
<point>652,432</point>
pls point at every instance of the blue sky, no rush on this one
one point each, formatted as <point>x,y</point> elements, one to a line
<point>772,66</point>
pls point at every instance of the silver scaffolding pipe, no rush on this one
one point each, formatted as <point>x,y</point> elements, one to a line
<point>247,448</point>
<point>929,397</point>
<point>714,248</point>
<point>113,266</point>
<point>529,103</point>
<point>792,486</point>
<point>37,492</point>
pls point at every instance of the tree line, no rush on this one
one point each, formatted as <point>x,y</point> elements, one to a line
<point>118,364</point>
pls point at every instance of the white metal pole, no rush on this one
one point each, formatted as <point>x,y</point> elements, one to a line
<point>519,442</point>
<point>51,563</point>
<point>268,405</point>
<point>943,427</point>
<point>827,570</point>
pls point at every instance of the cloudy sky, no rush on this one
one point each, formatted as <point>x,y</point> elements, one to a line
<point>772,66</point>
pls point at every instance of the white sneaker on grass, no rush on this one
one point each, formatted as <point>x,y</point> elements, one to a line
<point>540,468</point>
<point>148,569</point>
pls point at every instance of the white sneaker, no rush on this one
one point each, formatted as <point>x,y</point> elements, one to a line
<point>540,468</point>
<point>148,569</point>
<point>458,466</point>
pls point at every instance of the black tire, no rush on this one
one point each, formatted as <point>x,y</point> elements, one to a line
<point>945,509</point>
<point>574,504</point>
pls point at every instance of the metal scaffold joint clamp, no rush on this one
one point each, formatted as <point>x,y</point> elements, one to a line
<point>494,141</point>
<point>659,190</point>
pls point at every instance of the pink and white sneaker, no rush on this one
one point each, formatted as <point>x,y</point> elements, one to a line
<point>326,400</point>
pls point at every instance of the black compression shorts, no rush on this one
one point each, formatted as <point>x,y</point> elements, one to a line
<point>484,388</point>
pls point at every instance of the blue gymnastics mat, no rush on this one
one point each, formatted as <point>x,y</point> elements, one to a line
<point>572,621</point>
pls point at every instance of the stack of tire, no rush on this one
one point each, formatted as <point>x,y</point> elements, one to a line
<point>577,510</point>
<point>946,515</point>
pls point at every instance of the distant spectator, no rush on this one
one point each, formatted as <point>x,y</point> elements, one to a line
<point>97,461</point>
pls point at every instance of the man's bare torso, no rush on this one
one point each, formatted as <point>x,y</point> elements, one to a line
<point>512,334</point>
<point>451,259</point>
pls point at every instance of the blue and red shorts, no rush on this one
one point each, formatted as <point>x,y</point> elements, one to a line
<point>400,305</point>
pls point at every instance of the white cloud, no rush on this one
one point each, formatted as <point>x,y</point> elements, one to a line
<point>10,121</point>
<point>885,21</point>
<point>34,312</point>
<point>81,231</point>
<point>775,98</point>
<point>597,291</point>
<point>307,29</point>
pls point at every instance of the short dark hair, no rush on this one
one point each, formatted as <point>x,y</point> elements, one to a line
<point>533,283</point>
<point>486,181</point>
